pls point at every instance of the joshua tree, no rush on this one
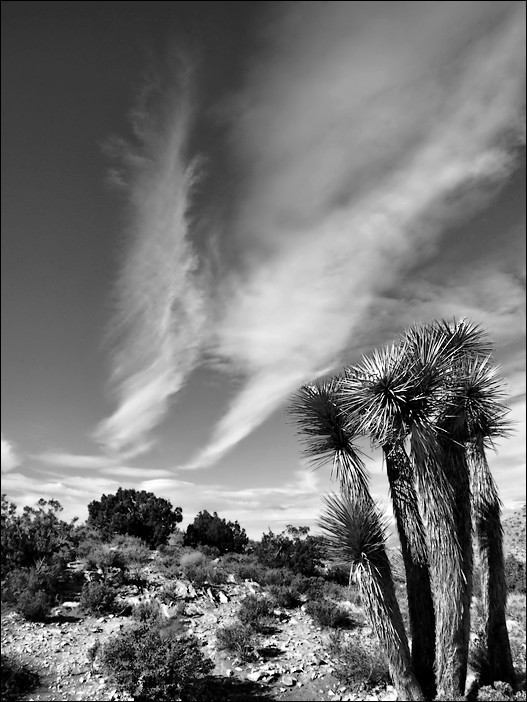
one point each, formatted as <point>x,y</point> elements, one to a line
<point>352,522</point>
<point>435,391</point>
<point>353,526</point>
<point>379,393</point>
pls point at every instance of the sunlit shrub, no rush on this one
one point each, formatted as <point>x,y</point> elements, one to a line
<point>151,666</point>
<point>238,639</point>
<point>97,598</point>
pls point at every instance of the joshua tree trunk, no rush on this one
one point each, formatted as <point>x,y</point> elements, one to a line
<point>489,532</point>
<point>378,591</point>
<point>415,557</point>
<point>453,575</point>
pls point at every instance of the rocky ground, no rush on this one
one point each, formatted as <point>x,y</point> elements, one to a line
<point>292,662</point>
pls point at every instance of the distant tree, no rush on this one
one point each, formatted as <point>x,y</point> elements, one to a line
<point>294,548</point>
<point>136,513</point>
<point>210,530</point>
<point>36,535</point>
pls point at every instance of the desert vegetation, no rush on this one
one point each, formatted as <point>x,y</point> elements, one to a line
<point>385,619</point>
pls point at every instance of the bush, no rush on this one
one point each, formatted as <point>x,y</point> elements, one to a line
<point>194,566</point>
<point>136,513</point>
<point>34,606</point>
<point>148,612</point>
<point>357,664</point>
<point>32,591</point>
<point>97,598</point>
<point>293,549</point>
<point>17,679</point>
<point>515,574</point>
<point>327,613</point>
<point>285,596</point>
<point>212,531</point>
<point>238,639</point>
<point>255,612</point>
<point>150,666</point>
<point>36,535</point>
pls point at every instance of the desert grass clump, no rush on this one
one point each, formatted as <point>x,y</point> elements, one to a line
<point>358,664</point>
<point>255,611</point>
<point>239,639</point>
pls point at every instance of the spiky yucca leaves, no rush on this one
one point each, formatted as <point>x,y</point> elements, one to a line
<point>327,434</point>
<point>382,393</point>
<point>356,535</point>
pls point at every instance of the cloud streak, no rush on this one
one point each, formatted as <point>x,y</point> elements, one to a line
<point>358,141</point>
<point>158,322</point>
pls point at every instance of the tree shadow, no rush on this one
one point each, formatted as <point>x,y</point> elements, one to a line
<point>62,619</point>
<point>270,652</point>
<point>219,689</point>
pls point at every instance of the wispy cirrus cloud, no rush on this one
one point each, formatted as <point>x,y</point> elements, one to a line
<point>10,457</point>
<point>158,322</point>
<point>358,141</point>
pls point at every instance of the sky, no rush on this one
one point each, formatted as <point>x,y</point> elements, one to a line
<point>207,205</point>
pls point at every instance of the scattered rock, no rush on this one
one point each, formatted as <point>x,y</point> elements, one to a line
<point>288,680</point>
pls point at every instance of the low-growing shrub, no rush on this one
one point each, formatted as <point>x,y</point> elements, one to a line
<point>153,667</point>
<point>357,664</point>
<point>16,680</point>
<point>31,591</point>
<point>34,606</point>
<point>328,613</point>
<point>97,598</point>
<point>148,612</point>
<point>238,639</point>
<point>255,612</point>
<point>285,596</point>
<point>103,556</point>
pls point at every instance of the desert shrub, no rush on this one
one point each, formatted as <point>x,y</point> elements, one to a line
<point>103,556</point>
<point>31,591</point>
<point>238,639</point>
<point>516,609</point>
<point>285,596</point>
<point>97,598</point>
<point>16,680</point>
<point>255,612</point>
<point>194,565</point>
<point>132,549</point>
<point>211,552</point>
<point>148,612</point>
<point>328,613</point>
<point>212,531</point>
<point>37,534</point>
<point>338,574</point>
<point>136,513</point>
<point>293,549</point>
<point>499,691</point>
<point>34,606</point>
<point>151,666</point>
<point>515,574</point>
<point>357,664</point>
